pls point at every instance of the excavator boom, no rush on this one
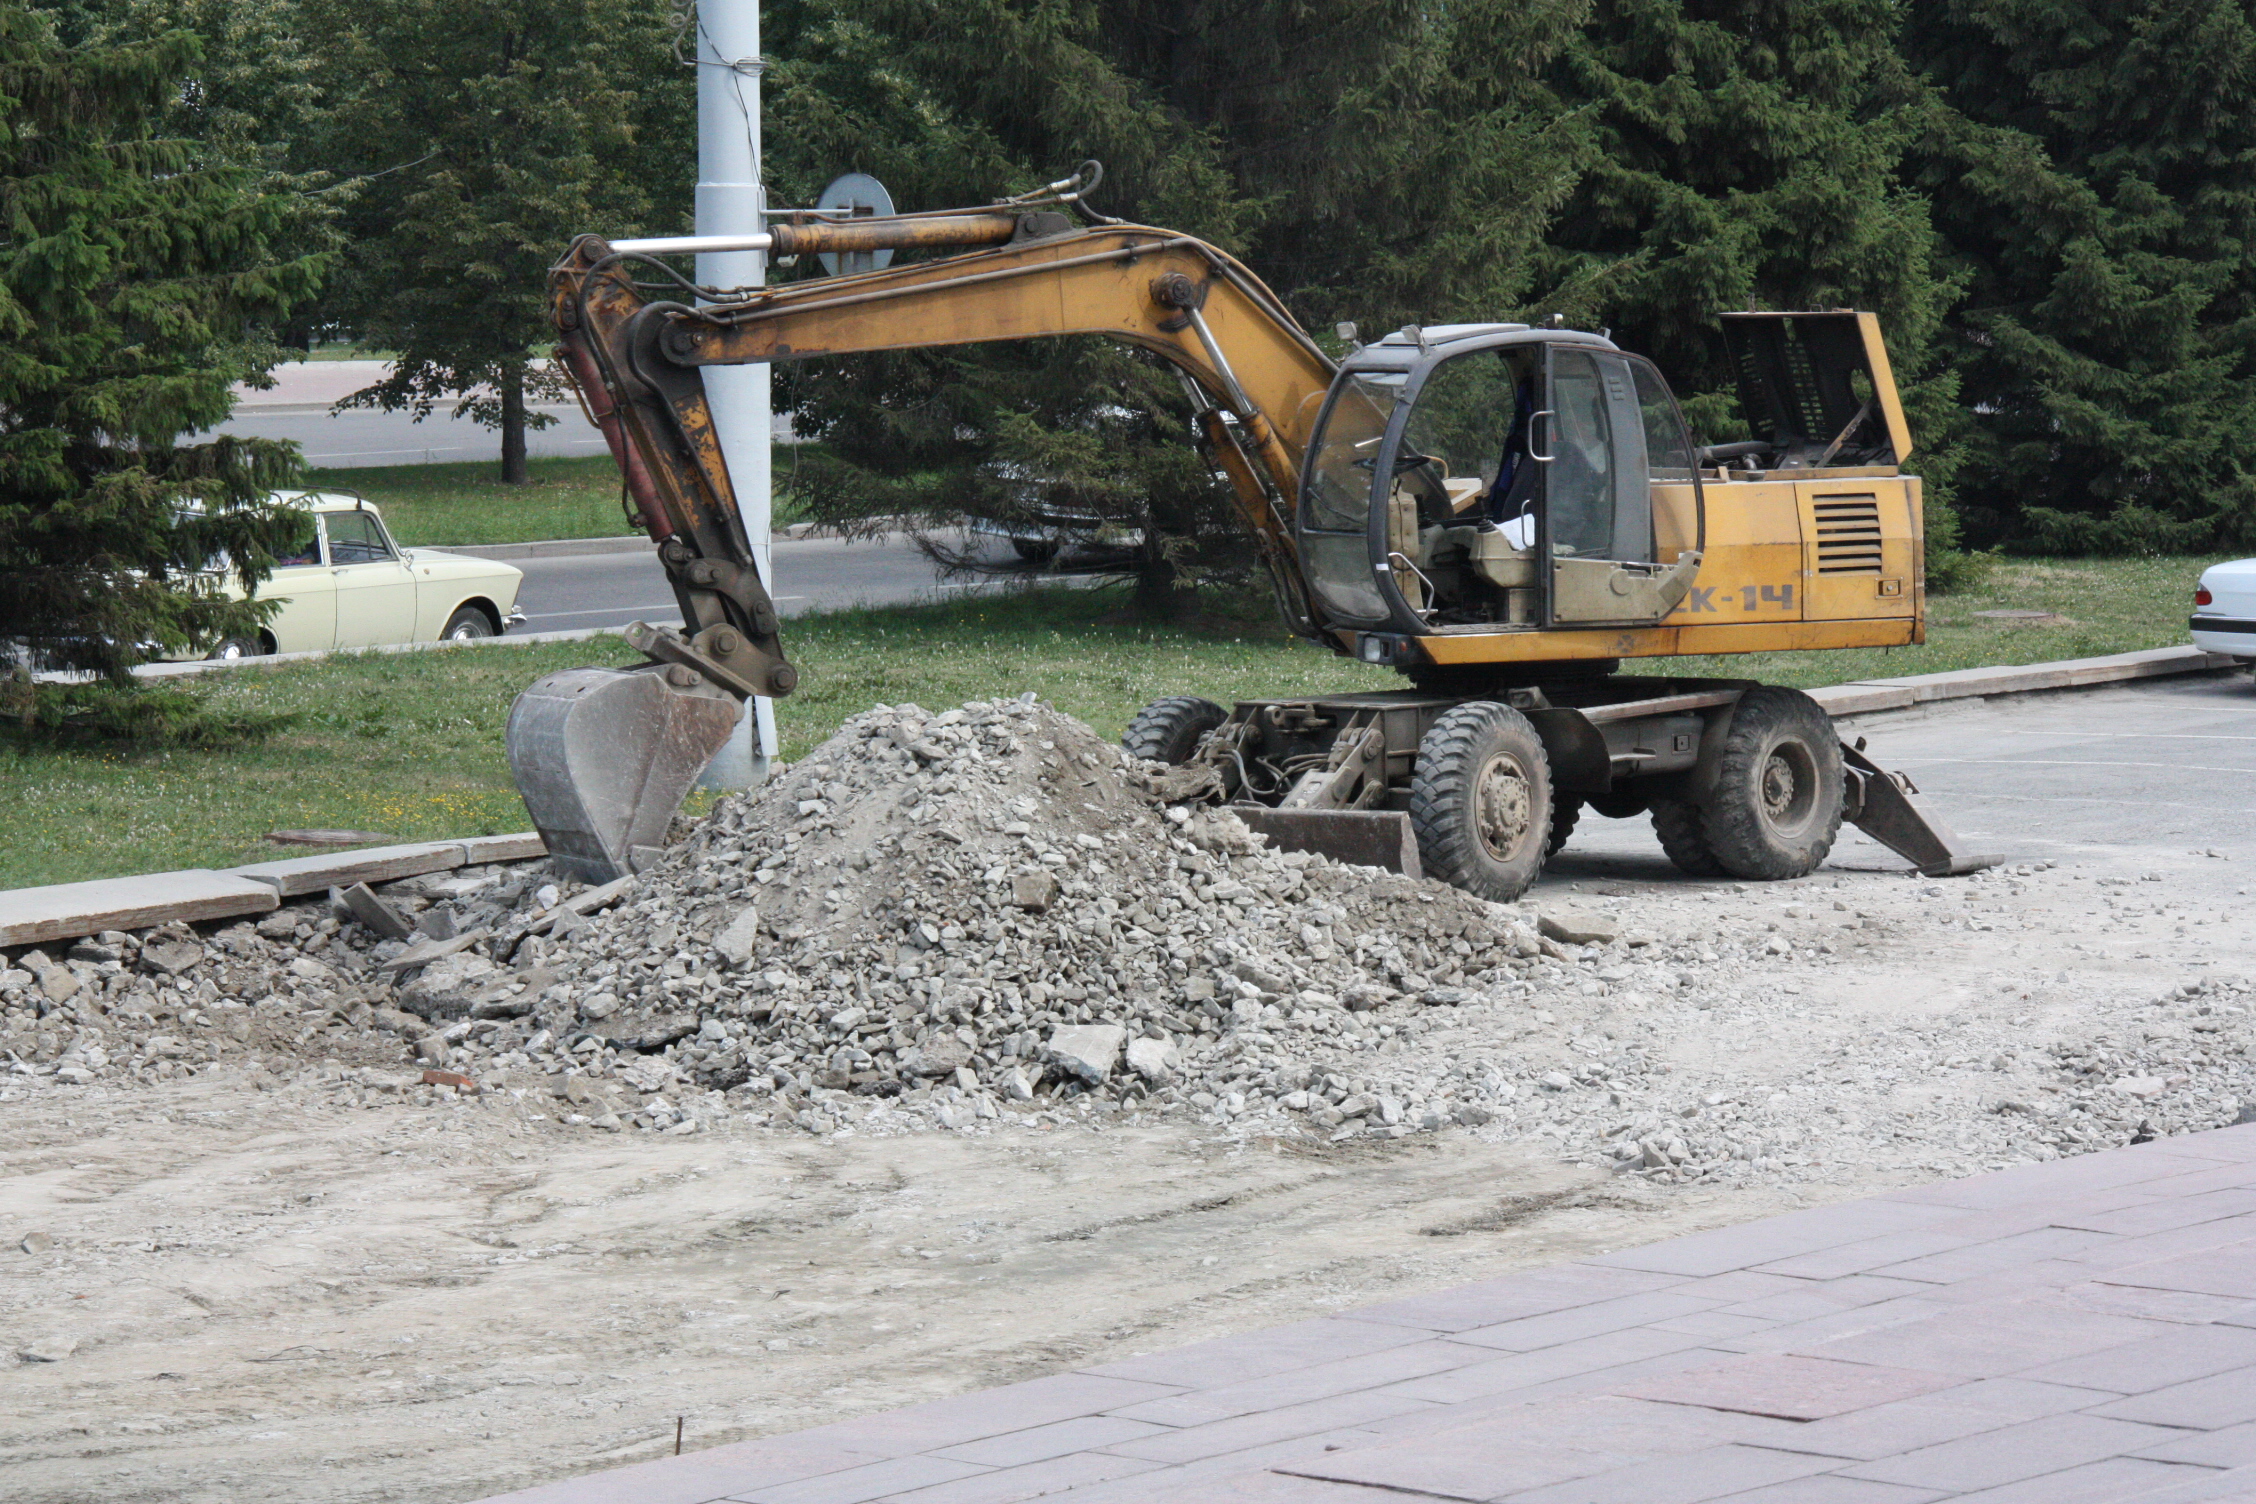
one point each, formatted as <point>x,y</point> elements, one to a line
<point>603,756</point>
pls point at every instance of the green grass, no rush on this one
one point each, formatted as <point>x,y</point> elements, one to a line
<point>468,503</point>
<point>345,349</point>
<point>410,744</point>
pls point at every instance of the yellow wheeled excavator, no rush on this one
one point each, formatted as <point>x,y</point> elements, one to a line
<point>1502,513</point>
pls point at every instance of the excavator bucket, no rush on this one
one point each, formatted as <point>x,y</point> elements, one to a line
<point>603,757</point>
<point>1886,807</point>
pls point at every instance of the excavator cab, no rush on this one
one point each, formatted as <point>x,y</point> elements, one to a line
<point>1492,476</point>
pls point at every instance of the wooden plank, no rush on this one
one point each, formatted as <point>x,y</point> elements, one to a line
<point>66,911</point>
<point>524,846</point>
<point>297,875</point>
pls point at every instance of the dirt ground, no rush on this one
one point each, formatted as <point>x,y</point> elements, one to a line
<point>271,1292</point>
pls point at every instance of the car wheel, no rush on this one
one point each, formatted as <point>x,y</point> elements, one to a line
<point>1035,550</point>
<point>467,625</point>
<point>237,647</point>
<point>1566,809</point>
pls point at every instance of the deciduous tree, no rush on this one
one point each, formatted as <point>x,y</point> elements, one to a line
<point>477,138</point>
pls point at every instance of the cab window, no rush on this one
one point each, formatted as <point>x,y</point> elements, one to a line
<point>303,547</point>
<point>1579,496</point>
<point>1668,452</point>
<point>355,538</point>
<point>1339,471</point>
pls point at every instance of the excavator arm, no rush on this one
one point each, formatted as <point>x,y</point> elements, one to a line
<point>603,756</point>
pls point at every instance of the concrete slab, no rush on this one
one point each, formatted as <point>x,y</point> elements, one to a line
<point>1864,699</point>
<point>294,876</point>
<point>2067,673</point>
<point>67,911</point>
<point>2018,1364</point>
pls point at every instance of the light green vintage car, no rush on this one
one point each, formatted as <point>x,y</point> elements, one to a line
<point>346,584</point>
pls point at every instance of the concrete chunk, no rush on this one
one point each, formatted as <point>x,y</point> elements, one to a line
<point>379,916</point>
<point>66,911</point>
<point>741,939</point>
<point>1034,890</point>
<point>427,951</point>
<point>1578,929</point>
<point>1089,1051</point>
<point>297,875</point>
<point>1153,1059</point>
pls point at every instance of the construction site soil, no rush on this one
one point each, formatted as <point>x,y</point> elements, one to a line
<point>947,1058</point>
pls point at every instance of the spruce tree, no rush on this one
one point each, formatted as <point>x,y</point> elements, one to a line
<point>1747,156</point>
<point>2097,179</point>
<point>138,282</point>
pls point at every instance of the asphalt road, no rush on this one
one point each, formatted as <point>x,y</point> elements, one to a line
<point>297,407</point>
<point>811,574</point>
<point>355,440</point>
<point>2159,771</point>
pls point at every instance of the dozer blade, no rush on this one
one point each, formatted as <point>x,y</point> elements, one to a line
<point>1886,807</point>
<point>1363,837</point>
<point>603,756</point>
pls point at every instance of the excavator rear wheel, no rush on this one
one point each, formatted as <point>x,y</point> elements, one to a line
<point>1481,801</point>
<point>1775,807</point>
<point>1169,730</point>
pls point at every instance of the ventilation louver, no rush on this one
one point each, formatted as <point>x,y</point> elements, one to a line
<point>1848,534</point>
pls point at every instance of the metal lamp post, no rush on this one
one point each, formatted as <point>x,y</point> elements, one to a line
<point>731,202</point>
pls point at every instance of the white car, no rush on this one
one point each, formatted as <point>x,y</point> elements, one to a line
<point>346,584</point>
<point>2224,609</point>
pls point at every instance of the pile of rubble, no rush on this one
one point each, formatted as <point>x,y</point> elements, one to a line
<point>982,910</point>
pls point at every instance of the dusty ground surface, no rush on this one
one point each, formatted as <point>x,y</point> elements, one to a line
<point>267,1290</point>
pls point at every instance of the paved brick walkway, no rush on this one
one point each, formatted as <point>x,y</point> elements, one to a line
<point>2069,1333</point>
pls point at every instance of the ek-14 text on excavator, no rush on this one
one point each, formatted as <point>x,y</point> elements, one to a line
<point>1502,513</point>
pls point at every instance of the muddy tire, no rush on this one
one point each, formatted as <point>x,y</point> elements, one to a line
<point>1677,824</point>
<point>1169,730</point>
<point>1481,801</point>
<point>1776,804</point>
<point>1566,809</point>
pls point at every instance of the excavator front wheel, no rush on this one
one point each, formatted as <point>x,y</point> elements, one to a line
<point>1170,730</point>
<point>1481,801</point>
